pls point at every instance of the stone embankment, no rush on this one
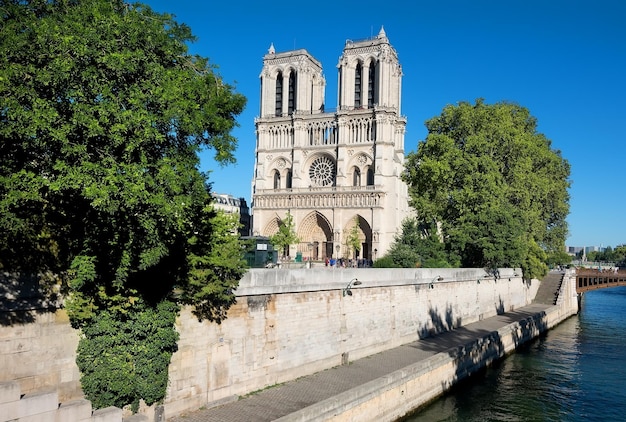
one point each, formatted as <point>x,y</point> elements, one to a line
<point>44,406</point>
<point>303,325</point>
<point>391,384</point>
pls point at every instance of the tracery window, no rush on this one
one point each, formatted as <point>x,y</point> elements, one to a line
<point>357,85</point>
<point>279,94</point>
<point>370,176</point>
<point>356,177</point>
<point>292,93</point>
<point>322,172</point>
<point>370,86</point>
<point>276,180</point>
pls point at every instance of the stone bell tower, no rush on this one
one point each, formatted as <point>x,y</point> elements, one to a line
<point>337,172</point>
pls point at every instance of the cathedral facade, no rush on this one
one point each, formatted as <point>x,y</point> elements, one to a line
<point>335,172</point>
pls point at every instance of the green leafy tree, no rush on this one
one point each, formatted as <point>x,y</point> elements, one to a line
<point>216,262</point>
<point>353,241</point>
<point>620,255</point>
<point>119,359</point>
<point>493,184</point>
<point>102,114</point>
<point>609,254</point>
<point>593,256</point>
<point>559,258</point>
<point>286,235</point>
<point>418,245</point>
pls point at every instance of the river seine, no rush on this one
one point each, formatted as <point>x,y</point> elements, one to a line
<point>575,372</point>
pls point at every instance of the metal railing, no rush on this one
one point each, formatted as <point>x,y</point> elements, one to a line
<point>319,189</point>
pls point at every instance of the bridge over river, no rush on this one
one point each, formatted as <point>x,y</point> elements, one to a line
<point>591,279</point>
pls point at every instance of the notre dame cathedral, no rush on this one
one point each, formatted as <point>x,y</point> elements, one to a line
<point>336,172</point>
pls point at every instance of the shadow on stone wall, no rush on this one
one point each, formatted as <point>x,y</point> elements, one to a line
<point>477,355</point>
<point>22,298</point>
<point>438,324</point>
<point>500,308</point>
<point>479,348</point>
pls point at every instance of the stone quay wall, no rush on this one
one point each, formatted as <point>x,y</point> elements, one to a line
<point>44,406</point>
<point>285,324</point>
<point>290,323</point>
<point>393,396</point>
<point>37,342</point>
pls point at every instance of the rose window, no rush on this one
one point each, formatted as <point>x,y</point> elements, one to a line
<point>322,172</point>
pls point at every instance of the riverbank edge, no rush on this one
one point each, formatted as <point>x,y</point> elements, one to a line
<point>401,392</point>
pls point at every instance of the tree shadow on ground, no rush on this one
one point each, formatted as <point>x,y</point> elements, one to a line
<point>477,346</point>
<point>22,298</point>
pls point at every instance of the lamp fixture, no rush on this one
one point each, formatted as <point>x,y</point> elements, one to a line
<point>431,285</point>
<point>348,290</point>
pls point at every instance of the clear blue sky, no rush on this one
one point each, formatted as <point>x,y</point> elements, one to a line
<point>563,60</point>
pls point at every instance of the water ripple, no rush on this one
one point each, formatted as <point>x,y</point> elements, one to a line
<point>575,372</point>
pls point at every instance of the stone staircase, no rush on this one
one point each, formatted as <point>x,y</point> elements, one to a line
<point>548,291</point>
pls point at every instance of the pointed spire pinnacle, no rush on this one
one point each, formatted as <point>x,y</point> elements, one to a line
<point>271,50</point>
<point>382,33</point>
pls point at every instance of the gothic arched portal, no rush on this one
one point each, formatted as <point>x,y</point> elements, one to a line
<point>316,237</point>
<point>271,228</point>
<point>364,232</point>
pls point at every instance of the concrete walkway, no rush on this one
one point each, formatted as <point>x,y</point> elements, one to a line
<point>279,401</point>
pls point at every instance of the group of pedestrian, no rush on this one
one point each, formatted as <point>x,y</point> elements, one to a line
<point>349,263</point>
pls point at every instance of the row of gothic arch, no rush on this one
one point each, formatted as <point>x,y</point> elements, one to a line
<point>320,240</point>
<point>365,86</point>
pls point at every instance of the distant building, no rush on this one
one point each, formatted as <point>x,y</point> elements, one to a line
<point>332,170</point>
<point>577,250</point>
<point>232,205</point>
<point>574,250</point>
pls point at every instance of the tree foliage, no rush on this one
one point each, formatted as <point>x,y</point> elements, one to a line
<point>216,262</point>
<point>494,186</point>
<point>102,114</point>
<point>122,359</point>
<point>418,245</point>
<point>353,241</point>
<point>286,235</point>
<point>617,255</point>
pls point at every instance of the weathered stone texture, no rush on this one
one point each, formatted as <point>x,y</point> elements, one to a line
<point>41,354</point>
<point>287,324</point>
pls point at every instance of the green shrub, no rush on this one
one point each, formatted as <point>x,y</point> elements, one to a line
<point>123,359</point>
<point>385,262</point>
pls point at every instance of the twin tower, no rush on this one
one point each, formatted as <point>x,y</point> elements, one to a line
<point>336,172</point>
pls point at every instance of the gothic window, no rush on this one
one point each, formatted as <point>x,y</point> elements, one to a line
<point>372,132</point>
<point>279,94</point>
<point>322,172</point>
<point>261,99</point>
<point>357,85</point>
<point>288,181</point>
<point>340,105</point>
<point>292,93</point>
<point>276,180</point>
<point>370,176</point>
<point>370,86</point>
<point>356,177</point>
